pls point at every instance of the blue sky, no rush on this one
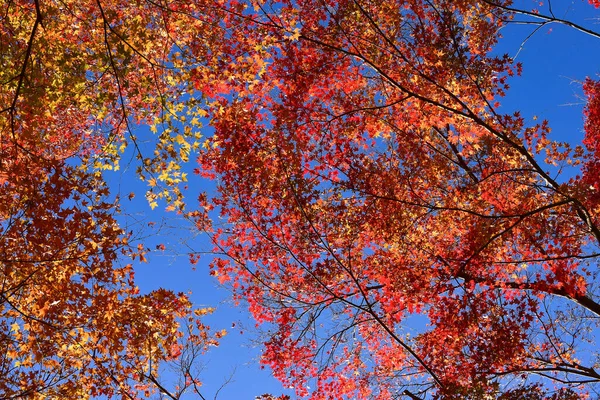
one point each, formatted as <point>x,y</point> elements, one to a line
<point>555,60</point>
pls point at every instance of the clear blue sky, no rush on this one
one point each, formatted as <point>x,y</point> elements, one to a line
<point>555,62</point>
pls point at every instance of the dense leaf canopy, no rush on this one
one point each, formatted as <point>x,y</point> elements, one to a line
<point>396,233</point>
<point>75,75</point>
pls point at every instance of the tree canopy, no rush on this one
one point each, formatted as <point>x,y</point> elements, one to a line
<point>75,77</point>
<point>367,181</point>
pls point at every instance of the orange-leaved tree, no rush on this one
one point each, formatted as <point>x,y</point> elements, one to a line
<point>370,184</point>
<point>75,76</point>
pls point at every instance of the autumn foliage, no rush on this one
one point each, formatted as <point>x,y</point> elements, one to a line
<point>73,324</point>
<point>396,232</point>
<point>402,235</point>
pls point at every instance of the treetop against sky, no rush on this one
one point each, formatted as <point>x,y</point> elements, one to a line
<point>397,224</point>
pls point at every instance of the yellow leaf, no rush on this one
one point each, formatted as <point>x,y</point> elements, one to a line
<point>179,139</point>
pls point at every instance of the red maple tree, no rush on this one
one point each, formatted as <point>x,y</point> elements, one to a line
<point>369,182</point>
